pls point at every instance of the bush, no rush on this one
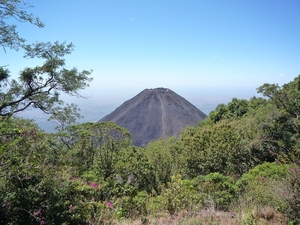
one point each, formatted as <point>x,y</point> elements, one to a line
<point>256,185</point>
<point>180,194</point>
<point>133,168</point>
<point>166,158</point>
<point>288,190</point>
<point>222,147</point>
<point>221,190</point>
<point>260,173</point>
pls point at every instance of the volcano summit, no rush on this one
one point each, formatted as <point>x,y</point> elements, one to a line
<point>154,114</point>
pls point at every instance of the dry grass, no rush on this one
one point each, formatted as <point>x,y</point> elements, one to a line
<point>263,216</point>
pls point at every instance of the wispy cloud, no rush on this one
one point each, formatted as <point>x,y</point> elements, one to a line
<point>217,56</point>
<point>131,19</point>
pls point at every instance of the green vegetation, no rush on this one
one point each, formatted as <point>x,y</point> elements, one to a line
<point>14,10</point>
<point>239,166</point>
<point>246,166</point>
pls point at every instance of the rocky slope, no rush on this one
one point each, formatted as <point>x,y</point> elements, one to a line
<point>154,114</point>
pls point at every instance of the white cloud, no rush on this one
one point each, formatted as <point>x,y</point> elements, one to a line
<point>131,19</point>
<point>218,56</point>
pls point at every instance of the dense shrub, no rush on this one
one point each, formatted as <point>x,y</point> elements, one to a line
<point>180,194</point>
<point>256,185</point>
<point>220,189</point>
<point>34,190</point>
<point>288,191</point>
<point>221,147</point>
<point>133,168</point>
<point>166,158</point>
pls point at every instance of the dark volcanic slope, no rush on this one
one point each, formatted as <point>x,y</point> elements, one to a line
<point>154,114</point>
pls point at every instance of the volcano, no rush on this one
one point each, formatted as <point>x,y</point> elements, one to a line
<point>154,114</point>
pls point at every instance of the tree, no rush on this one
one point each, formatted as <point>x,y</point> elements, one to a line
<point>36,184</point>
<point>236,109</point>
<point>223,147</point>
<point>4,74</point>
<point>14,9</point>
<point>40,87</point>
<point>166,158</point>
<point>37,87</point>
<point>133,168</point>
<point>96,146</point>
<point>280,126</point>
<point>285,98</point>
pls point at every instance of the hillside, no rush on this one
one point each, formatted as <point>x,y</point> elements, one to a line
<point>154,114</point>
<point>240,166</point>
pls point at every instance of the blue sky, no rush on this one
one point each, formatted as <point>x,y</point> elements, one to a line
<point>190,46</point>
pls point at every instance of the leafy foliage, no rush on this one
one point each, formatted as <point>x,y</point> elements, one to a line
<point>281,125</point>
<point>255,184</point>
<point>179,194</point>
<point>288,191</point>
<point>236,109</point>
<point>41,86</point>
<point>166,157</point>
<point>4,74</point>
<point>220,189</point>
<point>218,148</point>
<point>133,168</point>
<point>272,184</point>
<point>33,188</point>
<point>96,146</point>
<point>14,9</point>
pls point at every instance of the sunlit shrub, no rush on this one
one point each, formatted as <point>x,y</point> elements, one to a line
<point>288,190</point>
<point>180,194</point>
<point>256,185</point>
<point>221,190</point>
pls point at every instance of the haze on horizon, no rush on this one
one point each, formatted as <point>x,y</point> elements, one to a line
<point>97,105</point>
<point>206,51</point>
